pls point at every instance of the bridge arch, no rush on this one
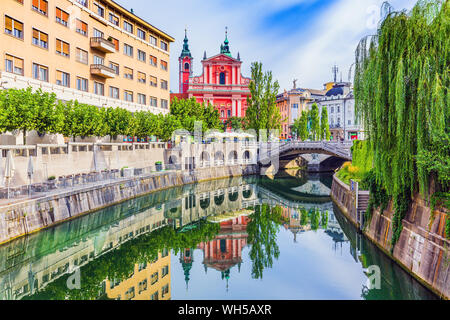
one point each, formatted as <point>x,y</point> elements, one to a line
<point>233,196</point>
<point>218,200</point>
<point>204,156</point>
<point>247,193</point>
<point>204,203</point>
<point>233,156</point>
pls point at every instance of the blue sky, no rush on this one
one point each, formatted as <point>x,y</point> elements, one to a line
<point>295,39</point>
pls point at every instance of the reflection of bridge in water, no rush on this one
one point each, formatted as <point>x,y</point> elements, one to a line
<point>31,263</point>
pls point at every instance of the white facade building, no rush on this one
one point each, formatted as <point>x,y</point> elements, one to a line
<point>340,103</point>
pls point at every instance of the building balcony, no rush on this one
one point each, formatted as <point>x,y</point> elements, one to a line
<point>102,71</point>
<point>103,45</point>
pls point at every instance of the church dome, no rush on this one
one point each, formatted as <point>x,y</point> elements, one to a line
<point>335,91</point>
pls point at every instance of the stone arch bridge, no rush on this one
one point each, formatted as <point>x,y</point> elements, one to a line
<point>320,156</point>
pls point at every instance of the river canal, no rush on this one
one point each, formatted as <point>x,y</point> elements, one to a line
<point>241,238</point>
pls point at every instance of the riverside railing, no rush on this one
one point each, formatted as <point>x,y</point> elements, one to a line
<point>80,181</point>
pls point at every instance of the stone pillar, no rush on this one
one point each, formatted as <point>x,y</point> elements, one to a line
<point>239,108</point>
<point>233,108</point>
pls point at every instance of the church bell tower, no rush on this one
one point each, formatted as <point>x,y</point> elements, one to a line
<point>185,65</point>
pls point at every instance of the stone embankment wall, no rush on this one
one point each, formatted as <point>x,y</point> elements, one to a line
<point>76,158</point>
<point>30,216</point>
<point>422,248</point>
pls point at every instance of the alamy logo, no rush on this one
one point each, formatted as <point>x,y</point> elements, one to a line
<point>74,281</point>
<point>374,16</point>
<point>374,279</point>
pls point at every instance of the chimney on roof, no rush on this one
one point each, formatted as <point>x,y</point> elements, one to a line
<point>132,11</point>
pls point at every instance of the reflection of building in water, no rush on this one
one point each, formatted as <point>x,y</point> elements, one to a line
<point>294,224</point>
<point>206,202</point>
<point>149,281</point>
<point>42,258</point>
<point>335,231</point>
<point>313,187</point>
<point>225,251</point>
<point>186,260</point>
<point>86,246</point>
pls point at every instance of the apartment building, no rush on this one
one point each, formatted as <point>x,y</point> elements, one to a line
<point>93,51</point>
<point>291,105</point>
<point>149,281</point>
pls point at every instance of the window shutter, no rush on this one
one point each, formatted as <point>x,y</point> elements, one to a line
<point>44,37</point>
<point>43,6</point>
<point>18,63</point>
<point>36,3</point>
<point>8,23</point>
<point>18,26</point>
<point>66,48</point>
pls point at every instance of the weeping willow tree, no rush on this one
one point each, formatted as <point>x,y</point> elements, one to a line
<point>401,92</point>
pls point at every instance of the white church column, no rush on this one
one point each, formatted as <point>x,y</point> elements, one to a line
<point>239,75</point>
<point>239,106</point>
<point>233,107</point>
<point>210,74</point>
<point>233,77</point>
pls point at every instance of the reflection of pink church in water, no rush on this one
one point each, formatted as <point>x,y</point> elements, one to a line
<point>224,252</point>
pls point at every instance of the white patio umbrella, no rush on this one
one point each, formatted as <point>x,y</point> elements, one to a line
<point>9,168</point>
<point>30,173</point>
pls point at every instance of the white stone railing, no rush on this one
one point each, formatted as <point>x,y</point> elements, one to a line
<point>338,148</point>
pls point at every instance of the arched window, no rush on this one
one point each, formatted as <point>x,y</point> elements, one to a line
<point>222,78</point>
<point>186,66</point>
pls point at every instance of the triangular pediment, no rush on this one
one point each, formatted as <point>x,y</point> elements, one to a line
<point>221,58</point>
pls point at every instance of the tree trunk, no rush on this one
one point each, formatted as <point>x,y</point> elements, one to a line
<point>24,136</point>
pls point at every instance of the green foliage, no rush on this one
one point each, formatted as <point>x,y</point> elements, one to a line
<point>324,125</point>
<point>378,195</point>
<point>362,163</point>
<point>25,110</point>
<point>117,121</point>
<point>169,124</point>
<point>315,122</point>
<point>300,126</point>
<point>187,111</point>
<point>262,234</point>
<point>447,227</point>
<point>401,92</point>
<point>235,123</point>
<point>262,112</point>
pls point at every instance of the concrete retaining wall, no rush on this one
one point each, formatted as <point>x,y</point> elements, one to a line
<point>421,249</point>
<point>30,216</point>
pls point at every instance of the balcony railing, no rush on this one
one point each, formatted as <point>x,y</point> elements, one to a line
<point>103,45</point>
<point>102,71</point>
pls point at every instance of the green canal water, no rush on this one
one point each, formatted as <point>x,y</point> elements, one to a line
<point>242,238</point>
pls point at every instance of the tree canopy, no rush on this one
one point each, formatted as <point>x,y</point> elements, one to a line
<point>262,112</point>
<point>25,110</point>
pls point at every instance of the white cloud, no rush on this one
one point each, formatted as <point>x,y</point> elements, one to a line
<point>306,52</point>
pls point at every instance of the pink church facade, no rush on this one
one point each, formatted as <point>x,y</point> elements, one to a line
<point>221,82</point>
